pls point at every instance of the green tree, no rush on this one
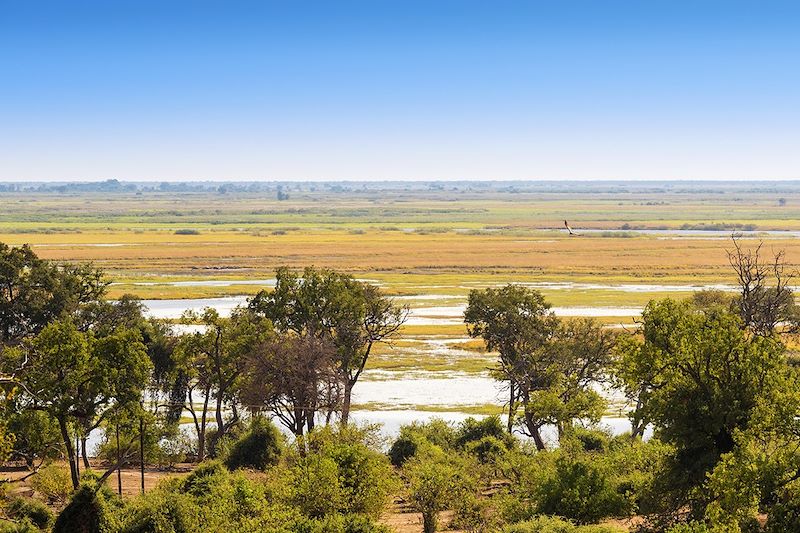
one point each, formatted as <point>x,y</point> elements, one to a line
<point>697,376</point>
<point>336,308</point>
<point>213,361</point>
<point>35,292</point>
<point>551,366</point>
<point>517,323</point>
<point>293,378</point>
<point>260,447</point>
<point>78,379</point>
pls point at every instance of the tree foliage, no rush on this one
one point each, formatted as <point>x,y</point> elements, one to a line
<point>333,308</point>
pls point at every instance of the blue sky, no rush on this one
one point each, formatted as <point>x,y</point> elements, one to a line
<point>559,89</point>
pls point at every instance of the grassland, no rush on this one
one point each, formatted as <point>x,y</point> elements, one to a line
<point>428,247</point>
<point>422,242</point>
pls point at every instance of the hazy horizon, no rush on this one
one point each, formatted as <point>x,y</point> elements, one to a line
<point>399,91</point>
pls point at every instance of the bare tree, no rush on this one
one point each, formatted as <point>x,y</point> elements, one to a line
<point>765,299</point>
<point>293,377</point>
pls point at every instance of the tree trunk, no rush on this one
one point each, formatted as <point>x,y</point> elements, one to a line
<point>511,409</point>
<point>534,431</point>
<point>537,439</point>
<point>119,465</point>
<point>215,438</point>
<point>348,393</point>
<point>637,424</point>
<point>73,461</point>
<point>86,465</point>
<point>141,450</point>
<point>429,522</point>
<point>201,436</point>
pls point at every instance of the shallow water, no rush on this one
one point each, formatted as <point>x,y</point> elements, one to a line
<point>436,389</point>
<point>175,308</point>
<point>208,283</point>
<point>435,315</point>
<point>453,314</point>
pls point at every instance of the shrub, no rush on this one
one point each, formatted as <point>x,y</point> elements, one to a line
<point>203,478</point>
<point>25,526</point>
<point>404,447</point>
<point>365,477</point>
<point>487,450</point>
<point>589,440</point>
<point>54,482</point>
<point>581,489</point>
<point>34,510</point>
<point>259,448</point>
<point>698,527</point>
<point>472,430</point>
<point>187,232</point>
<point>337,523</point>
<point>552,524</point>
<point>784,516</point>
<point>541,524</point>
<point>414,436</point>
<point>473,515</point>
<point>87,512</point>
<point>163,512</point>
<point>315,489</point>
<point>436,482</point>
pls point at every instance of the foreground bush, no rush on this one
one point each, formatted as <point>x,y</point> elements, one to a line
<point>35,511</point>
<point>472,430</point>
<point>259,448</point>
<point>25,526</point>
<point>54,483</point>
<point>438,481</point>
<point>333,482</point>
<point>581,489</point>
<point>213,499</point>
<point>416,436</point>
<point>91,510</point>
<point>551,524</point>
<point>341,473</point>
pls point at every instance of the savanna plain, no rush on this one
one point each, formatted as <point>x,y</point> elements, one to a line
<point>427,247</point>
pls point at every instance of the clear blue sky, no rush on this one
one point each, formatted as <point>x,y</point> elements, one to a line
<point>434,89</point>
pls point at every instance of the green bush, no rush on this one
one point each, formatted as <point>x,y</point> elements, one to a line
<point>581,489</point>
<point>259,448</point>
<point>488,450</point>
<point>204,478</point>
<point>54,482</point>
<point>89,510</point>
<point>314,486</point>
<point>552,524</point>
<point>25,526</point>
<point>162,512</point>
<point>436,482</point>
<point>784,516</point>
<point>404,447</point>
<point>589,440</point>
<point>473,430</point>
<point>699,527</point>
<point>414,436</point>
<point>365,477</point>
<point>338,523</point>
<point>35,511</point>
